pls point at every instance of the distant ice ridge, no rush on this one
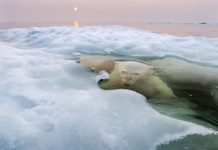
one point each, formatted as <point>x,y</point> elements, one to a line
<point>48,102</point>
<point>113,40</point>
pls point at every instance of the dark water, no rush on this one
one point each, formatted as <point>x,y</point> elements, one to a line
<point>192,142</point>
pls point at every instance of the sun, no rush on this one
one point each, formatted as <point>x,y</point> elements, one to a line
<point>75,9</point>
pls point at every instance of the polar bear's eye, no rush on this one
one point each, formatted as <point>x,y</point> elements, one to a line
<point>123,71</point>
<point>136,74</point>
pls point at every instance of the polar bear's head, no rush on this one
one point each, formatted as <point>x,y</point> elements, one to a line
<point>130,71</point>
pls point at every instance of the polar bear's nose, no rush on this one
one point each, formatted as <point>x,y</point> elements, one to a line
<point>128,78</point>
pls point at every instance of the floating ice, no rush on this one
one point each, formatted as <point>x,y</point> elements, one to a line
<point>113,40</point>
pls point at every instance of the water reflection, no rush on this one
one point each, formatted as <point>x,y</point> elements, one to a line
<point>76,24</point>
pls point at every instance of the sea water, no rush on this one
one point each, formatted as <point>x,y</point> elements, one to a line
<point>50,102</point>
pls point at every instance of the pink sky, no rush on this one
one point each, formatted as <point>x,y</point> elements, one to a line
<point>109,10</point>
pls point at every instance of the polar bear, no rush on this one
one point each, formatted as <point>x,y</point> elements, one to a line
<point>176,77</point>
<point>131,75</point>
